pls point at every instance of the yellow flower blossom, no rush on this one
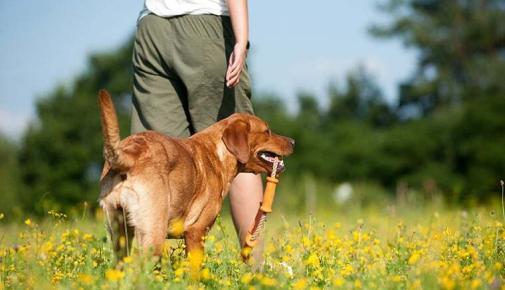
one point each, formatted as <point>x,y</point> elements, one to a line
<point>414,258</point>
<point>205,274</point>
<point>300,284</point>
<point>114,275</point>
<point>269,282</point>
<point>87,237</point>
<point>246,278</point>
<point>86,279</point>
<point>476,283</point>
<point>447,283</point>
<point>312,260</point>
<point>179,272</point>
<point>337,282</point>
<point>176,227</point>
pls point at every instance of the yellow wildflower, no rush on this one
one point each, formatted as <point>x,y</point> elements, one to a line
<point>114,275</point>
<point>246,251</point>
<point>85,279</point>
<point>206,274</point>
<point>337,282</point>
<point>269,282</point>
<point>447,283</point>
<point>246,278</point>
<point>87,237</point>
<point>346,270</point>
<point>195,258</point>
<point>176,227</point>
<point>414,258</point>
<point>306,242</point>
<point>312,260</point>
<point>57,276</point>
<point>179,272</point>
<point>476,283</point>
<point>300,284</point>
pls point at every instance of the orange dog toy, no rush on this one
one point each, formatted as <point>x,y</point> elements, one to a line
<point>254,233</point>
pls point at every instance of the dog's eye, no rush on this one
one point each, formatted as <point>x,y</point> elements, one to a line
<point>267,132</point>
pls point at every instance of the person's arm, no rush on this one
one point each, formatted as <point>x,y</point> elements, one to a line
<point>240,22</point>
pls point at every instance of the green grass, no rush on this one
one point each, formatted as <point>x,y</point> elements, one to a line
<point>348,247</point>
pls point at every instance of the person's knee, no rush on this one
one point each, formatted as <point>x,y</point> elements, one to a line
<point>246,182</point>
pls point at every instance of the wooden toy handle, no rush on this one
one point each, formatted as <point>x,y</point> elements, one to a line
<point>268,196</point>
<point>266,207</point>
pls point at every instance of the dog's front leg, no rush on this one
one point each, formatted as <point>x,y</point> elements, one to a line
<point>195,233</point>
<point>193,238</point>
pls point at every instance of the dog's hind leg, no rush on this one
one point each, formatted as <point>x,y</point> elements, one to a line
<point>152,239</point>
<point>150,220</point>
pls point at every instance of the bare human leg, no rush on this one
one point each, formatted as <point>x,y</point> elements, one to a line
<point>246,194</point>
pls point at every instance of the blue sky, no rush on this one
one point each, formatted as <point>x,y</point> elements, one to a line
<point>297,45</point>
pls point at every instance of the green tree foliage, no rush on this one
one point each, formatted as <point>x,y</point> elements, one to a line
<point>360,100</point>
<point>479,139</point>
<point>61,154</point>
<point>458,87</point>
<point>461,48</point>
<point>341,142</point>
<point>9,176</point>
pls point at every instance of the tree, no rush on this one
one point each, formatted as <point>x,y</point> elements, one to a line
<point>460,45</point>
<point>480,154</point>
<point>361,100</point>
<point>61,153</point>
<point>9,176</point>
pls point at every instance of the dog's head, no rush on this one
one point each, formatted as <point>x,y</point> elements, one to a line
<point>254,145</point>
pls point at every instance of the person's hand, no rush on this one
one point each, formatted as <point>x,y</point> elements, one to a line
<point>236,64</point>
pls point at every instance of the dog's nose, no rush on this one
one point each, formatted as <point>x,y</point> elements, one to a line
<point>292,141</point>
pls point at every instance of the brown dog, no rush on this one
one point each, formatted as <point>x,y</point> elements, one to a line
<point>150,182</point>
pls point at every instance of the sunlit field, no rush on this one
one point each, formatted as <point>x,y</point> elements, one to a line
<point>372,247</point>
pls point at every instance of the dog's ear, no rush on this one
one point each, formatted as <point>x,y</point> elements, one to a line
<point>235,137</point>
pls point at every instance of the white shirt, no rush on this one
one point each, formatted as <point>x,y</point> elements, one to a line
<point>168,8</point>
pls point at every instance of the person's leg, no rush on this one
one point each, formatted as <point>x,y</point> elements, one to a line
<point>246,194</point>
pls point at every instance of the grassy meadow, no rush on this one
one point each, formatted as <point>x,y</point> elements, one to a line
<point>382,245</point>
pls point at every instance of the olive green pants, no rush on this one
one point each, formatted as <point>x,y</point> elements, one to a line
<point>180,65</point>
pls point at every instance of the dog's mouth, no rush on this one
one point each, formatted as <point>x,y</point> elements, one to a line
<point>269,158</point>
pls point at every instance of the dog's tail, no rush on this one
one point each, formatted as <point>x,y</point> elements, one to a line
<point>110,129</point>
